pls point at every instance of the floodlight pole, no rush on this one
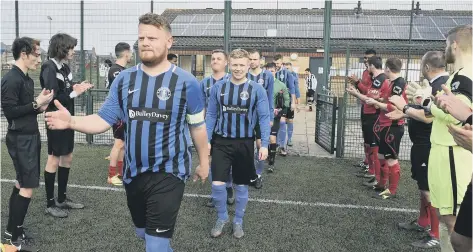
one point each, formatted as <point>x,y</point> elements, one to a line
<point>17,21</point>
<point>227,26</point>
<point>327,32</point>
<point>410,39</point>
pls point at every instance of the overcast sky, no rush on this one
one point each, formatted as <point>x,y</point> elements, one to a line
<point>109,22</point>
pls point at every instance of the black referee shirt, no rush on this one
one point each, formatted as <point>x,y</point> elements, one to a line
<point>17,102</point>
<point>58,77</point>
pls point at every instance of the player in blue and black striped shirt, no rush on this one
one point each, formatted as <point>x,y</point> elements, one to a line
<point>235,106</point>
<point>219,60</point>
<point>266,79</point>
<point>286,77</point>
<point>218,63</point>
<point>157,100</point>
<point>290,117</point>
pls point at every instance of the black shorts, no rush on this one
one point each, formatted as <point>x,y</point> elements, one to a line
<point>60,142</point>
<point>310,93</point>
<point>290,113</point>
<point>420,164</point>
<point>390,141</point>
<point>119,131</point>
<point>154,200</point>
<point>25,152</point>
<point>367,126</point>
<point>257,130</point>
<point>236,154</point>
<point>275,127</point>
<point>464,222</point>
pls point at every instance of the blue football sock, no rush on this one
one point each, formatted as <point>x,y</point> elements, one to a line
<point>219,198</point>
<point>140,232</point>
<point>241,199</point>
<point>290,129</point>
<point>282,135</point>
<point>154,243</point>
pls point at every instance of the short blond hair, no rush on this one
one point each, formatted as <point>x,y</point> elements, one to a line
<point>462,35</point>
<point>239,53</point>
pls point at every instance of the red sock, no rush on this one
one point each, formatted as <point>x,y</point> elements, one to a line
<point>120,168</point>
<point>112,171</point>
<point>384,172</point>
<point>394,176</point>
<point>375,162</point>
<point>434,221</point>
<point>424,218</point>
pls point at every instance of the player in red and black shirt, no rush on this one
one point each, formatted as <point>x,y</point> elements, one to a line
<point>387,131</point>
<point>368,117</point>
<point>379,85</point>
<point>115,169</point>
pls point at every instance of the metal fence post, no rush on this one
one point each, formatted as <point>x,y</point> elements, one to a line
<point>410,40</point>
<point>334,122</point>
<point>327,32</point>
<point>342,111</point>
<point>17,20</point>
<point>82,55</point>
<point>97,85</point>
<point>152,6</point>
<point>227,25</point>
<point>89,111</point>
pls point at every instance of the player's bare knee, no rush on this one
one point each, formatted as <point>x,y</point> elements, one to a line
<point>52,163</point>
<point>449,221</point>
<point>26,192</point>
<point>460,243</point>
<point>272,139</point>
<point>392,162</point>
<point>425,195</point>
<point>290,121</point>
<point>283,120</point>
<point>65,161</point>
<point>258,143</point>
<point>119,144</point>
<point>218,183</point>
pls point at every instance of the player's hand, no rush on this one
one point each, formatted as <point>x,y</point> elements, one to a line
<point>276,111</point>
<point>351,90</point>
<point>452,105</point>
<point>398,101</point>
<point>371,101</point>
<point>462,136</point>
<point>210,147</point>
<point>415,90</point>
<point>395,115</point>
<point>353,79</point>
<point>45,97</point>
<point>201,172</point>
<point>263,153</point>
<point>60,119</point>
<point>81,88</point>
<point>293,106</point>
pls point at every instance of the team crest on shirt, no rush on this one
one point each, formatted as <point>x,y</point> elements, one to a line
<point>390,138</point>
<point>116,73</point>
<point>376,83</point>
<point>261,81</point>
<point>455,85</point>
<point>281,76</point>
<point>244,95</point>
<point>397,90</point>
<point>163,93</point>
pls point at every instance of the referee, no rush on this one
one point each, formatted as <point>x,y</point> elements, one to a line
<point>56,75</point>
<point>157,151</point>
<point>235,106</point>
<point>23,139</point>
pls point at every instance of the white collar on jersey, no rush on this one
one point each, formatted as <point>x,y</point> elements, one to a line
<point>58,64</point>
<point>438,76</point>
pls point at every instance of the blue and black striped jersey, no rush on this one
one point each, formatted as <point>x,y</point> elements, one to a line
<point>206,84</point>
<point>266,79</point>
<point>234,110</point>
<point>157,110</point>
<point>287,78</point>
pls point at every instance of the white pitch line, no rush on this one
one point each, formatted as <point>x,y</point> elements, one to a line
<point>259,200</point>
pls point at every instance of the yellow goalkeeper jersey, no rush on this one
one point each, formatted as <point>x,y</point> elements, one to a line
<point>460,84</point>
